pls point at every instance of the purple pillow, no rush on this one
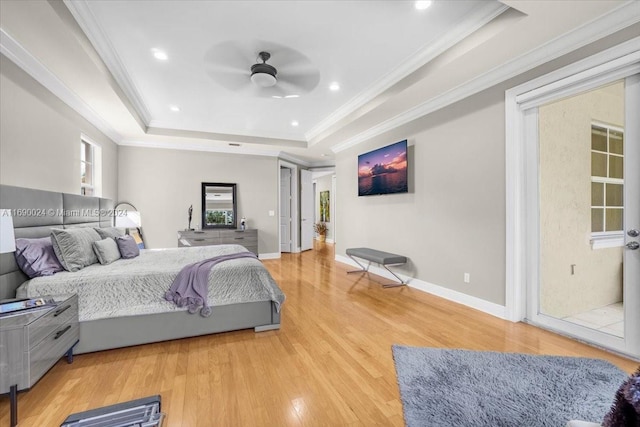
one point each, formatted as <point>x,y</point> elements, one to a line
<point>127,246</point>
<point>36,257</point>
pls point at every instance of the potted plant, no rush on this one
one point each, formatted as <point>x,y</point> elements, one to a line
<point>321,229</point>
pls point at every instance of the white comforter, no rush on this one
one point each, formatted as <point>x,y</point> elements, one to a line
<point>129,287</point>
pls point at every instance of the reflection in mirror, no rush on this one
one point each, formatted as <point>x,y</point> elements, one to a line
<point>218,205</point>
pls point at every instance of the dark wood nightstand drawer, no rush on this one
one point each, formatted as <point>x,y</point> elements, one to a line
<point>66,312</point>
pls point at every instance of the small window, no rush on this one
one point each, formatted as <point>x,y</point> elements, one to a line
<point>607,181</point>
<point>90,168</point>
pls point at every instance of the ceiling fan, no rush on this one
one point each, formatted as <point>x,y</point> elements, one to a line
<point>264,75</point>
<point>262,69</point>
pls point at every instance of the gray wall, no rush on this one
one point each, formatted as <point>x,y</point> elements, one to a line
<point>452,220</point>
<point>40,138</point>
<point>163,183</point>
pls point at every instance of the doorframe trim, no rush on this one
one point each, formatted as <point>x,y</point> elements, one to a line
<point>295,221</point>
<point>612,64</point>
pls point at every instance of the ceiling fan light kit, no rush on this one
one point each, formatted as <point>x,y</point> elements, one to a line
<point>264,75</point>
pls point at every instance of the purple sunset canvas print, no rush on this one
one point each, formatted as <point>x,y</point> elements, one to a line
<point>383,171</point>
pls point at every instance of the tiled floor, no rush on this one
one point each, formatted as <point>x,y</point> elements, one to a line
<point>609,319</point>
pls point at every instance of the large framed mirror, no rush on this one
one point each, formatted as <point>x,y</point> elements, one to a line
<point>218,205</point>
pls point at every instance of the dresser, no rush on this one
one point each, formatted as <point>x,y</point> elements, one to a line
<point>223,236</point>
<point>32,341</point>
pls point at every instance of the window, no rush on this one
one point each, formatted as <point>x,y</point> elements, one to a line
<point>90,168</point>
<point>607,181</point>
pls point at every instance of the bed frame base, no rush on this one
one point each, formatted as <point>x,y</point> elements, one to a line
<point>116,332</point>
<point>267,327</point>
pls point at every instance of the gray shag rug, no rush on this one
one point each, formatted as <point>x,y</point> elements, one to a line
<point>441,387</point>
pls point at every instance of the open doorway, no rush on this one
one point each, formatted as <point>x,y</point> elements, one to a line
<point>289,223</point>
<point>324,201</point>
<point>581,144</point>
<point>575,216</point>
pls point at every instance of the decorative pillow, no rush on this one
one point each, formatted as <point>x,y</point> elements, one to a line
<point>112,232</point>
<point>128,247</point>
<point>106,250</point>
<point>74,247</point>
<point>626,406</point>
<point>36,257</point>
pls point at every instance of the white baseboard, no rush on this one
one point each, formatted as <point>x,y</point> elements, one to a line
<point>485,306</point>
<point>274,255</point>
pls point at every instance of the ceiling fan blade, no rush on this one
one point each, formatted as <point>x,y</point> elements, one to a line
<point>304,82</point>
<point>231,80</point>
<point>225,68</point>
<point>230,54</point>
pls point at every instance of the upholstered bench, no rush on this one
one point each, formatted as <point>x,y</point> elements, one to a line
<point>383,258</point>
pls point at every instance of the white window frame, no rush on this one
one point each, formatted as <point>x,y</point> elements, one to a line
<point>607,239</point>
<point>96,168</point>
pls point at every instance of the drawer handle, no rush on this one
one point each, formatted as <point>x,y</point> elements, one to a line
<point>239,238</point>
<point>61,333</point>
<point>61,310</point>
<point>198,240</point>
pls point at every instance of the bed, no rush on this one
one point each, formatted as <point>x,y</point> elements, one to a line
<point>113,312</point>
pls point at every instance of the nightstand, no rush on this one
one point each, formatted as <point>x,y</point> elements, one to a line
<point>32,341</point>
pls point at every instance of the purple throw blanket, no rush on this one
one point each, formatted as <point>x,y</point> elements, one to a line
<point>190,287</point>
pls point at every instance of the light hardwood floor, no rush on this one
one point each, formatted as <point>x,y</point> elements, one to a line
<point>329,365</point>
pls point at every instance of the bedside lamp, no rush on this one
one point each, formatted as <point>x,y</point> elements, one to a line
<point>132,219</point>
<point>7,236</point>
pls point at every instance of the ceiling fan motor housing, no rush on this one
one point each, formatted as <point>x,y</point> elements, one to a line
<point>264,75</point>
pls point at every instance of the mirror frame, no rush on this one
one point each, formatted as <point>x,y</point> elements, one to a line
<point>204,187</point>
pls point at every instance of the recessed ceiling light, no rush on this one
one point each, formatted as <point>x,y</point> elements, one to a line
<point>334,86</point>
<point>174,108</point>
<point>159,54</point>
<point>294,123</point>
<point>422,4</point>
<point>276,96</point>
<point>292,96</point>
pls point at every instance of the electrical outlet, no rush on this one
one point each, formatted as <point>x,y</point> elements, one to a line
<point>467,278</point>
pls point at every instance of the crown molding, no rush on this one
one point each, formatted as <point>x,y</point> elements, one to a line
<point>616,20</point>
<point>205,147</point>
<point>94,32</point>
<point>157,127</point>
<point>15,52</point>
<point>293,159</point>
<point>471,23</point>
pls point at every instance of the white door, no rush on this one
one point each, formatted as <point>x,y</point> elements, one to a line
<point>306,208</point>
<point>285,210</point>
<point>588,178</point>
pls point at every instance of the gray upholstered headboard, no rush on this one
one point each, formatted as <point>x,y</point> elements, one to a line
<point>36,212</point>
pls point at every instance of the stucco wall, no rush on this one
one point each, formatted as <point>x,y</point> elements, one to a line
<point>565,206</point>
